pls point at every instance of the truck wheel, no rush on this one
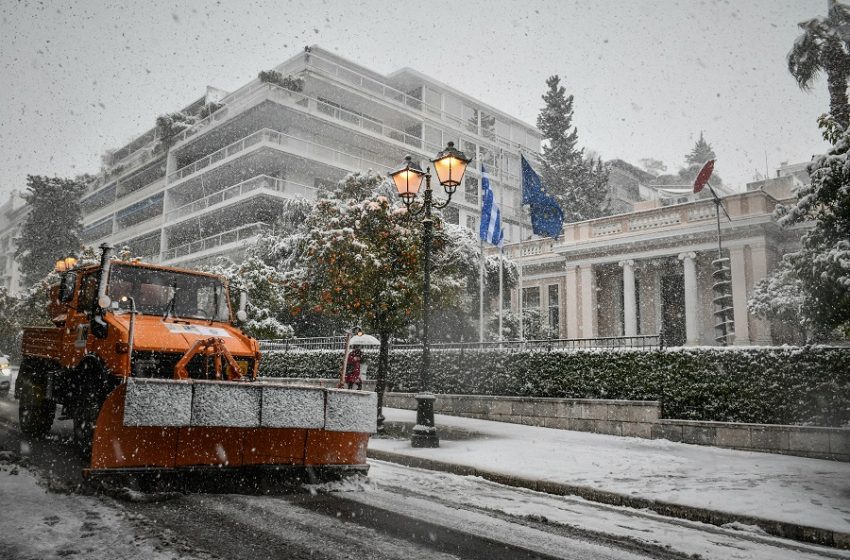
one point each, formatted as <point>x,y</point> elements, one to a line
<point>87,408</point>
<point>85,417</point>
<point>35,414</point>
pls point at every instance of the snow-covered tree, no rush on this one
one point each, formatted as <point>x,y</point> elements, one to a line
<point>264,285</point>
<point>653,166</point>
<point>52,228</point>
<point>823,263</point>
<point>170,125</point>
<point>824,46</point>
<point>694,160</point>
<point>579,184</point>
<point>359,260</point>
<point>533,327</point>
<point>780,298</point>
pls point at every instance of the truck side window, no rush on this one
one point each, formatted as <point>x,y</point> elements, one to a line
<point>88,293</point>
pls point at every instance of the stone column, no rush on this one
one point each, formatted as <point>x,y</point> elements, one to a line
<point>738,264</point>
<point>588,302</point>
<point>759,259</point>
<point>571,302</point>
<point>691,299</point>
<point>629,299</point>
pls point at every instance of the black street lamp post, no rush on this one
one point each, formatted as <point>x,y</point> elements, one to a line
<point>450,165</point>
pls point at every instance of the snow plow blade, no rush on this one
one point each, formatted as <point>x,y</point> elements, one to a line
<point>203,433</point>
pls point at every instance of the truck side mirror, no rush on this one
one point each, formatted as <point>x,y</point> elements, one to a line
<point>67,287</point>
<point>242,313</point>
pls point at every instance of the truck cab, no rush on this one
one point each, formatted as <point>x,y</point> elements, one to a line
<point>116,320</point>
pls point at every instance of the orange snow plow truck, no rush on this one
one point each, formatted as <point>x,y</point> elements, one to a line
<point>148,363</point>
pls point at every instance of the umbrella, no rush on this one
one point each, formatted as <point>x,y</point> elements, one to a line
<point>363,339</point>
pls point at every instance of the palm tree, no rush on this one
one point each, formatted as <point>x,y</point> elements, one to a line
<point>823,46</point>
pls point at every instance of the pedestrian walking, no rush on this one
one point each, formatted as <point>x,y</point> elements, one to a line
<point>352,373</point>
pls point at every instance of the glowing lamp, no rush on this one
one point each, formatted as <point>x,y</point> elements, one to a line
<point>408,180</point>
<point>450,165</point>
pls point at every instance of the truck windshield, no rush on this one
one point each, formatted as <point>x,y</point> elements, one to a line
<point>162,292</point>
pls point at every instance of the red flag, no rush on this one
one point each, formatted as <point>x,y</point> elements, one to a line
<point>704,176</point>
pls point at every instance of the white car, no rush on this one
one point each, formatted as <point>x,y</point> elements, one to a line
<point>5,376</point>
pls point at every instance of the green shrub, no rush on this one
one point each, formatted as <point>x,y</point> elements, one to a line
<point>783,385</point>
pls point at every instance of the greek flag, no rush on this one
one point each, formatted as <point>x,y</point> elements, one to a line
<point>491,219</point>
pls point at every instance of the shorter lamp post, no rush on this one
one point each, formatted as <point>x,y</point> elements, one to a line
<point>450,165</point>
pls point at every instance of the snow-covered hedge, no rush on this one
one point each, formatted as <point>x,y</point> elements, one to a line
<point>809,385</point>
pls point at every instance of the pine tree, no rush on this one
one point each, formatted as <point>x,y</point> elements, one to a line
<point>579,184</point>
<point>701,153</point>
<point>52,229</point>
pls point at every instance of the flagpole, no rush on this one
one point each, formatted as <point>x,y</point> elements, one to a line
<point>519,269</point>
<point>501,299</point>
<point>501,254</point>
<point>481,294</point>
<point>519,249</point>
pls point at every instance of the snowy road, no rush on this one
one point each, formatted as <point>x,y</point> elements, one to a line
<point>398,512</point>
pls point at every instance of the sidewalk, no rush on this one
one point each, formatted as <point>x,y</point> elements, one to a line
<point>793,497</point>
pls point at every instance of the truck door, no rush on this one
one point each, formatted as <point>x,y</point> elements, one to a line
<point>79,318</point>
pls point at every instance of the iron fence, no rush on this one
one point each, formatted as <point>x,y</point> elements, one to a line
<point>337,343</point>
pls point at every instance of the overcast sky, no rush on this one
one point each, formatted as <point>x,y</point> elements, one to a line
<point>77,78</point>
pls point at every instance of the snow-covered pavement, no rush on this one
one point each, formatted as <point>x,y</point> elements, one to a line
<point>796,490</point>
<point>36,523</point>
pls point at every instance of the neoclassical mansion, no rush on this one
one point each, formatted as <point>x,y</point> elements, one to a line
<point>651,269</point>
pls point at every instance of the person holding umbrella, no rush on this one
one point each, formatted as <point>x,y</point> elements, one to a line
<point>353,362</point>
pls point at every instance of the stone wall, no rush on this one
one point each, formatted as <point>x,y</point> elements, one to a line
<point>612,417</point>
<point>804,441</point>
<point>629,418</point>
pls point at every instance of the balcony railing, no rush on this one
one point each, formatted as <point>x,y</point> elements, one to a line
<point>254,95</point>
<point>232,236</point>
<point>322,64</point>
<point>237,102</point>
<point>237,190</point>
<point>297,146</point>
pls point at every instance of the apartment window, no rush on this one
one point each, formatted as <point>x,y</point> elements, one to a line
<point>470,118</point>
<point>98,200</point>
<point>503,129</point>
<point>470,189</point>
<point>531,298</point>
<point>472,223</point>
<point>433,137</point>
<point>488,126</point>
<point>453,106</point>
<point>140,211</point>
<point>471,151</point>
<point>433,101</point>
<point>554,309</point>
<point>451,215</point>
<point>487,157</point>
<point>145,245</point>
<point>97,230</point>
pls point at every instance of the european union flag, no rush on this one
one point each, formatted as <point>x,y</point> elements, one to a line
<point>547,217</point>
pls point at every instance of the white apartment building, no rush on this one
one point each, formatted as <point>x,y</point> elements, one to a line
<point>13,213</point>
<point>225,179</point>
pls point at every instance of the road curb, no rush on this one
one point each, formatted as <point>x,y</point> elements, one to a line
<point>802,533</point>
